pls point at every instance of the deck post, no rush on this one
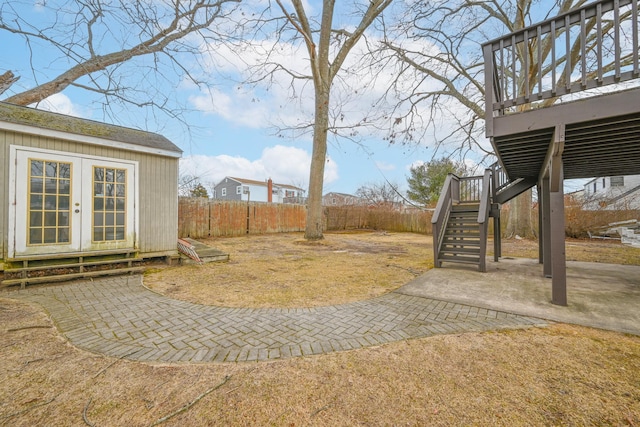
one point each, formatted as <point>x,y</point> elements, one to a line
<point>558,255</point>
<point>545,231</point>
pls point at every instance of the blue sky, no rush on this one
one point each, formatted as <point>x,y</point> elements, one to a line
<point>232,129</point>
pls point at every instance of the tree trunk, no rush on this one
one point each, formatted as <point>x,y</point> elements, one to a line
<point>519,222</point>
<point>315,218</point>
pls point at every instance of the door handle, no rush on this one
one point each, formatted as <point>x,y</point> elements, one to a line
<point>77,211</point>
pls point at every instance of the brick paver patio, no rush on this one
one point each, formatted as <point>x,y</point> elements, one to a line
<point>119,317</point>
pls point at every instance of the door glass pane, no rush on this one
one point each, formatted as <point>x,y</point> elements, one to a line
<point>36,168</point>
<point>63,219</point>
<point>64,186</point>
<point>35,202</point>
<point>51,185</point>
<point>63,202</point>
<point>63,234</point>
<point>50,202</point>
<point>50,219</point>
<point>51,169</point>
<point>48,207</point>
<point>65,170</point>
<point>36,185</point>
<point>36,219</point>
<point>50,236</point>
<point>109,198</point>
<point>98,204</point>
<point>35,235</point>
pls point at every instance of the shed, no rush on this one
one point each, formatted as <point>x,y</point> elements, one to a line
<point>76,188</point>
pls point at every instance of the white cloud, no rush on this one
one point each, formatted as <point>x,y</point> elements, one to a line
<point>384,166</point>
<point>60,103</point>
<point>239,108</point>
<point>285,165</point>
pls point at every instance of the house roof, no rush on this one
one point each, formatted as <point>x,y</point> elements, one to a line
<point>46,123</point>
<point>333,193</point>
<point>262,183</point>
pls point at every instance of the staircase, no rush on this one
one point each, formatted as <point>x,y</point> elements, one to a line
<point>461,240</point>
<point>460,221</point>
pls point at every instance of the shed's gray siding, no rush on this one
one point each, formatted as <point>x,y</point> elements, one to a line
<point>157,190</point>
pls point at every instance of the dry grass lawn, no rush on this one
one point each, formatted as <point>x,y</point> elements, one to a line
<point>287,271</point>
<point>559,375</point>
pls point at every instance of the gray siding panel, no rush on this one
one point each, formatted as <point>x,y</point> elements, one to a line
<point>158,213</point>
<point>231,188</point>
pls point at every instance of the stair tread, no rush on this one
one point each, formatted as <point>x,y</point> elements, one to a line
<point>64,277</point>
<point>463,260</point>
<point>463,250</point>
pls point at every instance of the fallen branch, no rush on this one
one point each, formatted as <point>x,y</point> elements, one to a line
<point>410,270</point>
<point>317,411</point>
<point>29,327</point>
<point>84,414</point>
<point>28,409</point>
<point>113,363</point>
<point>31,361</point>
<point>190,404</point>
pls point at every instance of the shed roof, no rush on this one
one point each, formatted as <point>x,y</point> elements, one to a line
<point>58,125</point>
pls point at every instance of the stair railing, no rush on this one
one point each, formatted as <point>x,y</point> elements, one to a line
<point>474,189</point>
<point>449,195</point>
<point>483,218</point>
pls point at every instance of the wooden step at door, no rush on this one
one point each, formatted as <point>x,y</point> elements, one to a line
<point>57,268</point>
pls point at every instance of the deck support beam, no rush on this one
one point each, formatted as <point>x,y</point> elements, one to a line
<point>545,229</point>
<point>556,218</point>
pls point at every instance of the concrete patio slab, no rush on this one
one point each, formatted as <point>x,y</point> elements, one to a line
<point>605,296</point>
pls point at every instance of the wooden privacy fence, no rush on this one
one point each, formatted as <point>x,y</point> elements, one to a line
<point>200,217</point>
<point>362,217</point>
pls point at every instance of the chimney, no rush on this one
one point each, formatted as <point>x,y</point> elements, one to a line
<point>270,190</point>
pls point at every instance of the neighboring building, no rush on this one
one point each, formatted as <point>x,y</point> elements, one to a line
<point>231,188</point>
<point>342,199</point>
<point>613,193</point>
<point>77,188</point>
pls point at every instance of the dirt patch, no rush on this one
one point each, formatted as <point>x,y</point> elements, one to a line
<point>285,270</point>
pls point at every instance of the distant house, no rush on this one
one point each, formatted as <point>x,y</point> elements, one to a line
<point>613,193</point>
<point>342,199</point>
<point>231,188</point>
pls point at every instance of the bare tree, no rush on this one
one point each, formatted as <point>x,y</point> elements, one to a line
<point>328,46</point>
<point>438,48</point>
<point>124,51</point>
<point>383,194</point>
<point>187,184</point>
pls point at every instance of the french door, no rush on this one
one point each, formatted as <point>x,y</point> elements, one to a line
<point>64,203</point>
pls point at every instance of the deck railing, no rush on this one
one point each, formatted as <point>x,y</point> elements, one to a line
<point>592,46</point>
